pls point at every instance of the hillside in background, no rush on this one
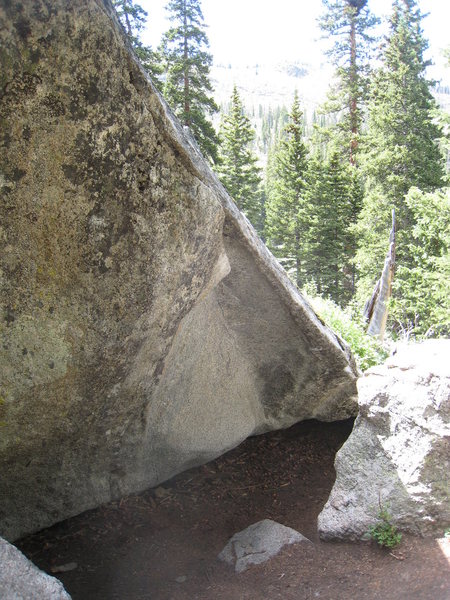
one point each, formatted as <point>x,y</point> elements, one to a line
<point>267,92</point>
<point>272,85</point>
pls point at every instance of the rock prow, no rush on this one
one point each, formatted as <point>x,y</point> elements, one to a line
<point>145,327</point>
<point>237,226</point>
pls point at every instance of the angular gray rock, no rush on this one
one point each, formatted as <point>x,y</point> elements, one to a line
<point>144,326</point>
<point>398,454</point>
<point>20,579</point>
<point>258,543</point>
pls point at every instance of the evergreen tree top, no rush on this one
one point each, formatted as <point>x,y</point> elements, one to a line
<point>132,16</point>
<point>236,132</point>
<point>340,19</point>
<point>237,166</point>
<point>405,41</point>
<point>291,157</point>
<point>295,116</point>
<point>187,35</point>
<point>191,8</point>
<point>187,86</point>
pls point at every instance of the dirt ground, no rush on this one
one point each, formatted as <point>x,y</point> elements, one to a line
<point>163,544</point>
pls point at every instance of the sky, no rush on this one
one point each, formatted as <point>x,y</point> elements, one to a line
<point>258,32</point>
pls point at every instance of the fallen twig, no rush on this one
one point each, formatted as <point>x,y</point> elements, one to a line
<point>399,557</point>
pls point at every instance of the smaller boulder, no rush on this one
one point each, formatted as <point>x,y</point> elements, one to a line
<point>20,579</point>
<point>258,543</point>
<point>397,457</point>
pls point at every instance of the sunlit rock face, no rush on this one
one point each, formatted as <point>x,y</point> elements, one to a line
<point>144,326</point>
<point>20,578</point>
<point>397,458</point>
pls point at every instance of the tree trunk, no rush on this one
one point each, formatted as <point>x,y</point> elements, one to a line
<point>353,102</point>
<point>376,309</point>
<point>127,19</point>
<point>187,107</point>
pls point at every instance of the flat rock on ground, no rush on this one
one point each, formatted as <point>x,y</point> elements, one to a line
<point>258,543</point>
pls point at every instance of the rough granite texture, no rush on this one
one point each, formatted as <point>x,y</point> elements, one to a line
<point>144,327</point>
<point>398,454</point>
<point>21,580</point>
<point>258,543</point>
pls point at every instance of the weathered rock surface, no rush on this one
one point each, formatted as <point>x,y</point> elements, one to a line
<point>258,543</point>
<point>21,580</point>
<point>398,454</point>
<point>144,326</point>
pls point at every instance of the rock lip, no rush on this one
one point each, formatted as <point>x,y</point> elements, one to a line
<point>258,543</point>
<point>144,327</point>
<point>20,579</point>
<point>398,454</point>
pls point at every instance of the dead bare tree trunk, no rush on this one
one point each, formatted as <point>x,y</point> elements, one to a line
<point>376,309</point>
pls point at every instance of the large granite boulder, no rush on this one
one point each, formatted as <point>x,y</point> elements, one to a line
<point>21,580</point>
<point>398,455</point>
<point>144,326</point>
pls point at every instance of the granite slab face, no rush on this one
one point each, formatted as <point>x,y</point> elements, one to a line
<point>144,326</point>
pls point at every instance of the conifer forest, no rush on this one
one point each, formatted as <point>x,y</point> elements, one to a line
<point>321,188</point>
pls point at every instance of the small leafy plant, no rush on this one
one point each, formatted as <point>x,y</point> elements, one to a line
<point>384,532</point>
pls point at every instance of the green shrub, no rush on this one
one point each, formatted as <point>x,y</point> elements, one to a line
<point>367,350</point>
<point>384,532</point>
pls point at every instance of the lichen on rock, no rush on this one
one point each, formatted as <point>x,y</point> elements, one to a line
<point>145,328</point>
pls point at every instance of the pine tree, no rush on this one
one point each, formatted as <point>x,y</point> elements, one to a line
<point>400,148</point>
<point>336,140</point>
<point>349,23</point>
<point>187,63</point>
<point>287,219</point>
<point>237,165</point>
<point>335,196</point>
<point>444,122</point>
<point>424,302</point>
<point>133,18</point>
